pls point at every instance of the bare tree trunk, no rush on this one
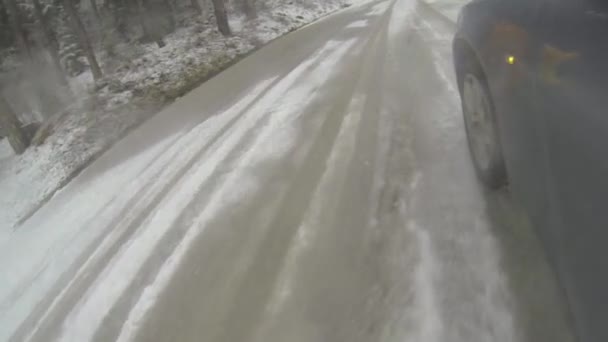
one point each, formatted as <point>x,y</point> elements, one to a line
<point>83,38</point>
<point>49,41</point>
<point>16,24</point>
<point>95,10</point>
<point>118,10</point>
<point>197,6</point>
<point>221,17</point>
<point>249,9</point>
<point>12,127</point>
<point>171,14</point>
<point>141,10</point>
<point>143,20</point>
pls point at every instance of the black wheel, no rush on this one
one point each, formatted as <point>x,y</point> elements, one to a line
<point>482,130</point>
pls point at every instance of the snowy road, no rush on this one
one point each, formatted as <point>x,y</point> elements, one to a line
<point>320,190</point>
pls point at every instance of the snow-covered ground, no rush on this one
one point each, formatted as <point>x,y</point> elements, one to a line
<point>133,91</point>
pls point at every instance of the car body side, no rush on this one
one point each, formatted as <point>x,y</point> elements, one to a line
<point>552,110</point>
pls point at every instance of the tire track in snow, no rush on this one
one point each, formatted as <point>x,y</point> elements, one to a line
<point>106,210</point>
<point>468,299</point>
<point>169,242</point>
<point>299,98</point>
<point>273,269</point>
<point>333,117</point>
<point>430,325</point>
<point>148,205</point>
<point>127,221</point>
<point>28,301</point>
<point>66,279</point>
<point>111,204</point>
<point>224,149</point>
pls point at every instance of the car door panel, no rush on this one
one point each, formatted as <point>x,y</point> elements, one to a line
<point>573,93</point>
<point>514,33</point>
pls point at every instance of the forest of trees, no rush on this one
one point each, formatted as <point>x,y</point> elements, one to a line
<point>51,41</point>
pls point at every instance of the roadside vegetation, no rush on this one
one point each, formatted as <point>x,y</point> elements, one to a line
<point>77,75</point>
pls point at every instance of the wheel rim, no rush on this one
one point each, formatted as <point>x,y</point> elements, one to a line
<point>479,122</point>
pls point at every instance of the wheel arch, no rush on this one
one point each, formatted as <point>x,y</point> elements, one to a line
<point>466,56</point>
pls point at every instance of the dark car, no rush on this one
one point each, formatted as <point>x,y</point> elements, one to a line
<point>533,79</point>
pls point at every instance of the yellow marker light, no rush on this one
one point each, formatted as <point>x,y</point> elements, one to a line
<point>511,59</point>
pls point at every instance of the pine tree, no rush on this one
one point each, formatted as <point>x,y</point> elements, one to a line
<point>49,40</point>
<point>119,12</point>
<point>83,39</point>
<point>6,37</point>
<point>151,32</point>
<point>95,9</point>
<point>197,6</point>
<point>15,20</point>
<point>248,7</point>
<point>221,17</point>
<point>70,52</point>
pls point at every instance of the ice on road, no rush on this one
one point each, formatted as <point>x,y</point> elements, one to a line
<point>319,190</point>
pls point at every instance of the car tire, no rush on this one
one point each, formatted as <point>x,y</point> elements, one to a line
<point>482,129</point>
